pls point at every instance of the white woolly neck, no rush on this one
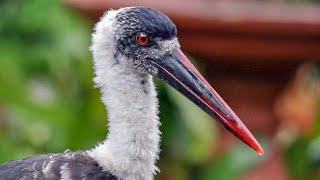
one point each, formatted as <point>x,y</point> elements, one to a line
<point>132,145</point>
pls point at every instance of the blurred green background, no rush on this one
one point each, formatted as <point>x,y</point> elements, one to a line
<point>48,102</point>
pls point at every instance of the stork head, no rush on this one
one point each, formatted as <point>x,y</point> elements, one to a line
<point>143,35</point>
<point>147,39</point>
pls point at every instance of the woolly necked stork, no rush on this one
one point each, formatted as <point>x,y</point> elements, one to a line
<point>130,46</point>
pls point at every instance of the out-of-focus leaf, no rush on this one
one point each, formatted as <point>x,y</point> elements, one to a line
<point>199,133</point>
<point>296,158</point>
<point>232,164</point>
<point>46,79</point>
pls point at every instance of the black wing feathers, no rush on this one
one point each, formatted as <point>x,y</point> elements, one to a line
<point>68,165</point>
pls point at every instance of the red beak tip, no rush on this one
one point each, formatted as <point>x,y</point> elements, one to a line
<point>259,150</point>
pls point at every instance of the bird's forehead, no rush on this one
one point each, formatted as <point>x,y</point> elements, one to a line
<point>168,45</point>
<point>153,22</point>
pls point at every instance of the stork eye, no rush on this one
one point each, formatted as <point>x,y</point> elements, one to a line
<point>142,39</point>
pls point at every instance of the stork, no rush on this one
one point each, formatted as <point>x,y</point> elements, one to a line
<point>130,46</point>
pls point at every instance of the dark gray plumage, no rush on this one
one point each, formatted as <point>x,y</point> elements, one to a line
<point>154,23</point>
<point>68,165</point>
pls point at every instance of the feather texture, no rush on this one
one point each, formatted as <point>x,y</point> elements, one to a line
<point>64,166</point>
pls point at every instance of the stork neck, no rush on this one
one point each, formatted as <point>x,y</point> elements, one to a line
<point>132,145</point>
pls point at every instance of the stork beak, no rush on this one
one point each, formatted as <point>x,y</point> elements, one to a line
<point>175,69</point>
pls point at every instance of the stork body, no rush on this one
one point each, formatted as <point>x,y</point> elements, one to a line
<point>129,47</point>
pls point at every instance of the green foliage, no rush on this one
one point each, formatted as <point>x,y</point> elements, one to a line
<point>46,89</point>
<point>303,155</point>
<point>232,164</point>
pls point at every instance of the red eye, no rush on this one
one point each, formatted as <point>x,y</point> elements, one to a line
<point>142,39</point>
